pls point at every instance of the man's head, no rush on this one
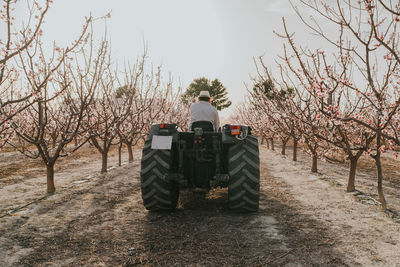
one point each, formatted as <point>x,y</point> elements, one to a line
<point>204,96</point>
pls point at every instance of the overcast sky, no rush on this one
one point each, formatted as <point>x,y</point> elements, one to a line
<point>191,38</point>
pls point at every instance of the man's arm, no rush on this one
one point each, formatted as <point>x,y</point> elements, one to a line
<point>191,116</point>
<point>216,120</point>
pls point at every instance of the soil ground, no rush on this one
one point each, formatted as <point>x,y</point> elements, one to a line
<point>97,219</point>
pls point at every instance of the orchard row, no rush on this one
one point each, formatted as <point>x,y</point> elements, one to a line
<point>343,99</point>
<point>51,104</point>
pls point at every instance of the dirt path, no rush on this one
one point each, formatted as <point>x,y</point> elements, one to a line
<point>360,229</point>
<point>366,180</point>
<point>27,181</point>
<point>102,222</point>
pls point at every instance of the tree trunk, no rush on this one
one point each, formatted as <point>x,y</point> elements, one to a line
<point>50,178</point>
<point>104,158</point>
<point>378,165</point>
<point>330,99</point>
<point>380,179</point>
<point>314,167</point>
<point>294,149</point>
<point>284,141</point>
<point>76,141</point>
<point>120,154</point>
<point>352,175</point>
<point>262,140</point>
<point>268,146</point>
<point>272,144</point>
<point>130,152</point>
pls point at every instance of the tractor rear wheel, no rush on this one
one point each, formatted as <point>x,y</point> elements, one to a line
<point>157,193</point>
<point>244,175</point>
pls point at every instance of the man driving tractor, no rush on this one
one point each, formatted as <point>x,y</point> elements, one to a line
<point>205,157</point>
<point>203,111</point>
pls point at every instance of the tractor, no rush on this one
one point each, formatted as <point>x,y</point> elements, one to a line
<point>199,160</point>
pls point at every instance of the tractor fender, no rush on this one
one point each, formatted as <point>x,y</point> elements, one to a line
<point>156,129</point>
<point>228,138</point>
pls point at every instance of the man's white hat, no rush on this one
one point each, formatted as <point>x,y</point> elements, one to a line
<point>204,94</point>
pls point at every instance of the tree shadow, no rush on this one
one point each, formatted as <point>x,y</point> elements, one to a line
<point>205,232</point>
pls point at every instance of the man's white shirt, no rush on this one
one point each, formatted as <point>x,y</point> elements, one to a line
<point>204,111</point>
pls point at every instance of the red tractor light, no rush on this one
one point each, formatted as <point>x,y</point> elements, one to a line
<point>235,129</point>
<point>165,126</point>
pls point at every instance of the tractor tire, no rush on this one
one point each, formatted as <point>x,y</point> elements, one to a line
<point>244,176</point>
<point>157,193</point>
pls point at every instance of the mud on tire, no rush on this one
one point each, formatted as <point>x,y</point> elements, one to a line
<point>244,176</point>
<point>157,193</point>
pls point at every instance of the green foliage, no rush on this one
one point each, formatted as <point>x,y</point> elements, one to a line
<point>216,88</point>
<point>265,87</point>
<point>287,93</point>
<point>123,91</point>
<point>268,89</point>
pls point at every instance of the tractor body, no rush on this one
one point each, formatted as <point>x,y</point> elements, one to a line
<point>200,160</point>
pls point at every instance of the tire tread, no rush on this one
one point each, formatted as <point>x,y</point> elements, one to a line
<point>244,176</point>
<point>157,193</point>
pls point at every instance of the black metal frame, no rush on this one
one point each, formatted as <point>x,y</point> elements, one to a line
<point>199,159</point>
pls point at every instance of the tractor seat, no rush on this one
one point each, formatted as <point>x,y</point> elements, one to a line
<point>207,126</point>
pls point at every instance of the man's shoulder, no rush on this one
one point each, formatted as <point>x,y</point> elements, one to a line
<point>200,103</point>
<point>210,106</point>
<point>203,104</point>
<point>214,108</point>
